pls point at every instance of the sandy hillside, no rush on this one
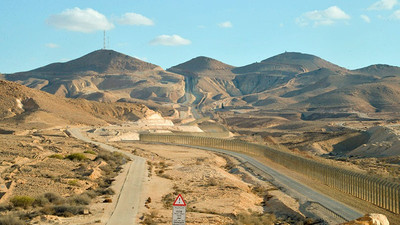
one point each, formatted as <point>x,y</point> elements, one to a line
<point>28,107</point>
<point>106,76</point>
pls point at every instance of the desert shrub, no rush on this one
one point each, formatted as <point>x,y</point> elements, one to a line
<point>107,169</point>
<point>76,157</point>
<point>11,220</point>
<point>82,199</point>
<point>56,156</point>
<point>74,183</point>
<point>259,190</point>
<point>90,193</point>
<point>168,200</point>
<point>149,219</point>
<point>90,152</point>
<point>5,207</point>
<point>105,191</point>
<point>41,201</point>
<point>22,201</point>
<point>66,210</point>
<point>162,165</point>
<point>112,158</point>
<point>54,198</point>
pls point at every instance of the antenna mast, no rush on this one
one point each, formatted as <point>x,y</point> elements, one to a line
<point>104,40</point>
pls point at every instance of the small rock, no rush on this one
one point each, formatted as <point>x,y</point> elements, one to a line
<point>86,212</point>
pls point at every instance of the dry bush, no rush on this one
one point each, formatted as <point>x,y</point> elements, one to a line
<point>80,200</point>
<point>74,183</point>
<point>11,220</point>
<point>41,201</point>
<point>22,201</point>
<point>168,200</point>
<point>105,191</point>
<point>113,158</point>
<point>56,156</point>
<point>63,210</point>
<point>54,198</point>
<point>5,207</point>
<point>76,157</point>
<point>90,152</point>
<point>149,219</point>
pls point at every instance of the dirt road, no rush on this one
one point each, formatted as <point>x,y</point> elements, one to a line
<point>129,200</point>
<point>336,211</point>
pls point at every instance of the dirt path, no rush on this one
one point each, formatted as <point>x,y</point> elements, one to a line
<point>129,200</point>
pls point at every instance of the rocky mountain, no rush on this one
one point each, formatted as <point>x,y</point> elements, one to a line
<point>100,62</point>
<point>295,81</point>
<point>290,80</point>
<point>106,76</point>
<point>23,106</point>
<point>288,63</point>
<point>203,66</point>
<point>380,70</point>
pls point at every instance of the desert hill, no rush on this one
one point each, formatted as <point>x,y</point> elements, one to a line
<point>23,106</point>
<point>288,63</point>
<point>373,97</point>
<point>207,78</point>
<point>202,66</point>
<point>104,75</point>
<point>380,70</point>
<point>288,81</point>
<point>303,82</point>
<point>100,61</point>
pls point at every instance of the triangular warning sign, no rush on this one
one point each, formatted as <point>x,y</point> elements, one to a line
<point>179,201</point>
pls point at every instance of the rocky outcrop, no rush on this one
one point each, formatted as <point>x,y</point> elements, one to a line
<point>369,219</point>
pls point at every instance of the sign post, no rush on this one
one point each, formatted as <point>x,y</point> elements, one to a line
<point>179,211</point>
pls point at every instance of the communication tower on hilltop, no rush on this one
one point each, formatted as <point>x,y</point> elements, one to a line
<point>104,40</point>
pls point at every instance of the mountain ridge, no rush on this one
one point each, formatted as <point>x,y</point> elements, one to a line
<point>282,80</point>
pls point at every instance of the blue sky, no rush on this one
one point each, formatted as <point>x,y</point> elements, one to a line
<point>352,34</point>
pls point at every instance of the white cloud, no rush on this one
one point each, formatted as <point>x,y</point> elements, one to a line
<point>170,40</point>
<point>52,45</point>
<point>383,5</point>
<point>135,19</point>
<point>322,17</point>
<point>365,18</point>
<point>80,20</point>
<point>396,15</point>
<point>226,24</point>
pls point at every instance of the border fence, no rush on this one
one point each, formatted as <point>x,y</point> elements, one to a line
<point>378,191</point>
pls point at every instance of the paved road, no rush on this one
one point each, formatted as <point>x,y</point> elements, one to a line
<point>128,202</point>
<point>295,189</point>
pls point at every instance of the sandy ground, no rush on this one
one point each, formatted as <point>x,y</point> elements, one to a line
<point>215,187</point>
<point>213,193</point>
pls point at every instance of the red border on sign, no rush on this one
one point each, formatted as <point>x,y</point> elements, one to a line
<point>179,196</point>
